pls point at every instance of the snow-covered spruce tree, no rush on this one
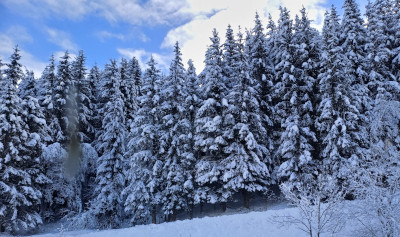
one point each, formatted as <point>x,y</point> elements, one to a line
<point>110,181</point>
<point>209,140</point>
<point>85,106</point>
<point>380,42</point>
<point>338,121</point>
<point>294,109</point>
<point>136,76</point>
<point>353,39</point>
<point>284,73</point>
<point>46,92</point>
<point>32,110</point>
<point>191,103</point>
<point>179,159</point>
<point>229,59</point>
<point>20,174</point>
<point>63,101</point>
<point>84,99</point>
<point>248,166</point>
<point>95,82</point>
<point>127,89</point>
<point>143,187</point>
<point>260,62</point>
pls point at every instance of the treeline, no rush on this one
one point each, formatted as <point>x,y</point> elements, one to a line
<point>286,104</point>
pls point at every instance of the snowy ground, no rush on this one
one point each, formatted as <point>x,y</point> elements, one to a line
<point>248,224</point>
<point>236,222</point>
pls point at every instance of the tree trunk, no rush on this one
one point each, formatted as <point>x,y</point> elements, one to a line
<point>223,205</point>
<point>171,217</point>
<point>154,215</point>
<point>201,207</point>
<point>191,207</point>
<point>246,199</point>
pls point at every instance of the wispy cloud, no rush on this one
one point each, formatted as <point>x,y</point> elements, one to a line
<point>19,33</point>
<point>71,9</point>
<point>7,45</point>
<point>61,39</point>
<point>137,12</point>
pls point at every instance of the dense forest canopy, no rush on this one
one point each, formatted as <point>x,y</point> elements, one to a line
<point>278,105</point>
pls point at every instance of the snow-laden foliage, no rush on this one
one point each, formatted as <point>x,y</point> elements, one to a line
<point>315,112</point>
<point>84,99</point>
<point>339,121</point>
<point>28,85</point>
<point>178,123</point>
<point>107,204</point>
<point>20,169</point>
<point>295,80</point>
<point>142,189</point>
<point>377,185</point>
<point>259,55</point>
<point>248,165</point>
<point>209,139</point>
<point>320,207</point>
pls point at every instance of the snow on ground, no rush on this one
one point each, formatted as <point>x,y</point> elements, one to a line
<point>249,224</point>
<point>235,222</point>
<point>246,224</point>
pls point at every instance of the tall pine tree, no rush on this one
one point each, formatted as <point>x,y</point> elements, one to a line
<point>143,187</point>
<point>110,180</point>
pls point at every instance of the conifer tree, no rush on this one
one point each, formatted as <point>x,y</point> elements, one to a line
<point>94,80</point>
<point>353,41</point>
<point>248,165</point>
<point>46,93</point>
<point>298,139</point>
<point>209,140</point>
<point>180,158</point>
<point>292,107</point>
<point>20,174</point>
<point>262,71</point>
<point>63,102</point>
<point>229,59</point>
<point>110,181</point>
<point>127,90</point>
<point>191,104</point>
<point>143,186</point>
<point>83,99</point>
<point>136,76</point>
<point>338,121</point>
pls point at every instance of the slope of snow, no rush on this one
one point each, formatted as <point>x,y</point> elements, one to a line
<point>248,224</point>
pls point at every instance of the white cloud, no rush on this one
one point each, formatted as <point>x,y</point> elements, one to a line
<point>194,35</point>
<point>138,12</point>
<point>19,34</point>
<point>71,9</point>
<point>7,45</point>
<point>143,57</point>
<point>61,39</point>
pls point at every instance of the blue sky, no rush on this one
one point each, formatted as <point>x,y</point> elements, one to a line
<point>107,29</point>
